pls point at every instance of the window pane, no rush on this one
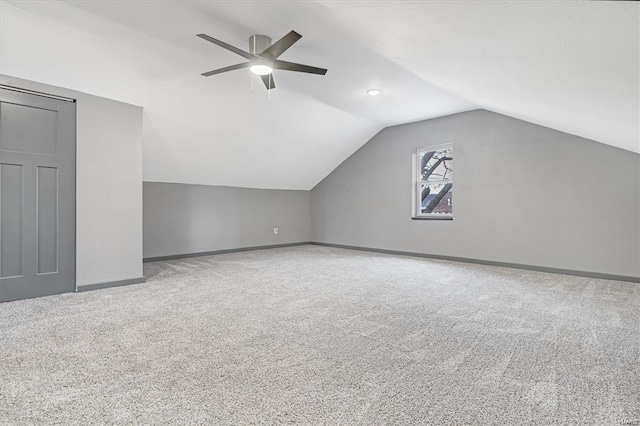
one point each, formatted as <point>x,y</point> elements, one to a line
<point>436,165</point>
<point>436,199</point>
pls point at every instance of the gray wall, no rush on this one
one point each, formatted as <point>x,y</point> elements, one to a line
<point>183,219</point>
<point>523,194</point>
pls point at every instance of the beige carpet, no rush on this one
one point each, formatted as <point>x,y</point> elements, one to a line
<point>315,335</point>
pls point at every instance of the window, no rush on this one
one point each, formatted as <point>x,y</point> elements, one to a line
<point>433,182</point>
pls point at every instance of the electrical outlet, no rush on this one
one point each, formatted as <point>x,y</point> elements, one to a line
<point>275,230</point>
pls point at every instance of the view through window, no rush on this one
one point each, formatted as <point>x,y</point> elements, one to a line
<point>434,182</point>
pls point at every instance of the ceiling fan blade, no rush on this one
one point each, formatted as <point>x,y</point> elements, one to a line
<point>229,47</point>
<point>278,48</point>
<point>268,81</point>
<point>291,66</point>
<point>225,69</point>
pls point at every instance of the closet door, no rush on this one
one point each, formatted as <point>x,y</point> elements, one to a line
<point>37,195</point>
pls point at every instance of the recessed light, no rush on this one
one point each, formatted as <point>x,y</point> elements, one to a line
<point>373,92</point>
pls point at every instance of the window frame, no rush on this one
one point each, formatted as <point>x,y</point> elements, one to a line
<point>417,182</point>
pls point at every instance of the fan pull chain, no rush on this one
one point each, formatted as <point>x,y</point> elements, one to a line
<point>270,74</point>
<point>252,77</point>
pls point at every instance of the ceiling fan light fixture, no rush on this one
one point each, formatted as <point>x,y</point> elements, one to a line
<point>373,92</point>
<point>261,69</point>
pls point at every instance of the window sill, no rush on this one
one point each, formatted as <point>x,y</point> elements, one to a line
<point>432,218</point>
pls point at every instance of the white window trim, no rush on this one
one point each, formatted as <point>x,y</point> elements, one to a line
<point>416,181</point>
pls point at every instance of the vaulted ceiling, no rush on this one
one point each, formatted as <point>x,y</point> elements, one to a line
<point>572,66</point>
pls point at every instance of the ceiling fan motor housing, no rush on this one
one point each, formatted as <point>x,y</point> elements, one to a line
<point>258,44</point>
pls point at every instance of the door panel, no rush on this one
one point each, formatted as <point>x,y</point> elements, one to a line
<point>28,129</point>
<point>11,220</point>
<point>47,231</point>
<point>37,195</point>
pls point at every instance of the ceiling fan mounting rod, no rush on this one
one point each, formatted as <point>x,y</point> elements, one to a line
<point>258,44</point>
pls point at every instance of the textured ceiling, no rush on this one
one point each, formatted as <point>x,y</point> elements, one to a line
<point>570,66</point>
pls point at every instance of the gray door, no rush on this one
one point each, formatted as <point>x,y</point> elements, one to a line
<point>37,195</point>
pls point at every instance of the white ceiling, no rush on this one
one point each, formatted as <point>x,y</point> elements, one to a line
<point>572,66</point>
<point>568,65</point>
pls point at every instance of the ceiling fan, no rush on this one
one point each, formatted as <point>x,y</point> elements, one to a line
<point>263,57</point>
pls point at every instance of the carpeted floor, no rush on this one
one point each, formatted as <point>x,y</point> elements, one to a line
<point>315,335</point>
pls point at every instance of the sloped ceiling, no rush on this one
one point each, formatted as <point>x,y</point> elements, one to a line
<point>572,66</point>
<point>568,65</point>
